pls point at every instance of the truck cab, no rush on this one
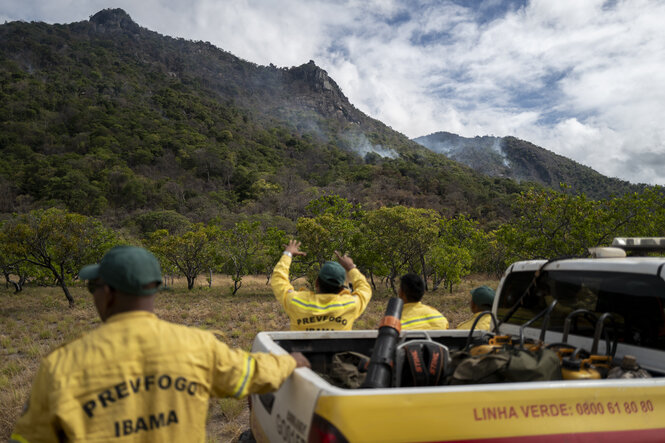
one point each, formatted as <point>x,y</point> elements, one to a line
<point>628,290</point>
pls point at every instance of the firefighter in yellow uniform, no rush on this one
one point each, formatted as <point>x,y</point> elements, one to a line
<point>136,377</point>
<point>416,315</point>
<point>332,306</point>
<point>482,299</point>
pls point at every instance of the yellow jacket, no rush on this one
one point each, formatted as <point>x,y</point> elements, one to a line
<point>420,316</point>
<point>309,311</point>
<point>484,323</point>
<point>138,378</point>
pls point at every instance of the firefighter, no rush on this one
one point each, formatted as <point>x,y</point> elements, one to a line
<point>416,315</point>
<point>482,299</point>
<point>137,376</point>
<point>332,306</point>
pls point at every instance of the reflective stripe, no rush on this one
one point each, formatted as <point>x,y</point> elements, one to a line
<point>15,438</point>
<point>421,320</point>
<point>247,374</point>
<point>315,307</point>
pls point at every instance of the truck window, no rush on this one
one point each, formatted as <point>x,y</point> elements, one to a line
<point>636,299</point>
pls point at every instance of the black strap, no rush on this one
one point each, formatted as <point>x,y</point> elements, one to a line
<point>473,327</point>
<point>435,366</point>
<point>426,362</point>
<point>414,355</point>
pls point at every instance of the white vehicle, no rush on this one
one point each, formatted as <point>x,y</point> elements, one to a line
<point>628,290</point>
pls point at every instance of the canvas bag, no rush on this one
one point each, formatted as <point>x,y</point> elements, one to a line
<point>513,361</point>
<point>349,369</point>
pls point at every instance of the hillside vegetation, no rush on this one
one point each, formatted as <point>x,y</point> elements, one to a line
<point>105,118</point>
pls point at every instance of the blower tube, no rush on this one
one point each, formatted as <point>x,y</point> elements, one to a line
<point>379,372</point>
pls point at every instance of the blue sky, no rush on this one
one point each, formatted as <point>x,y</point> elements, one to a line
<point>582,78</point>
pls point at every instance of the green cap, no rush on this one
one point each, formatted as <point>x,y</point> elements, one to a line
<point>127,269</point>
<point>483,296</point>
<point>332,273</point>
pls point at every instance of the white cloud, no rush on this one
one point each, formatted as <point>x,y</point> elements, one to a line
<point>581,78</point>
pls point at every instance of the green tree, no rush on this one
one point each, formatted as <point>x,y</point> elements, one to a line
<point>400,238</point>
<point>333,227</point>
<point>241,247</point>
<point>491,256</point>
<point>58,241</point>
<point>272,245</point>
<point>189,253</point>
<point>454,252</point>
<point>152,221</point>
<point>331,204</point>
<point>449,264</point>
<point>12,265</point>
<point>553,224</point>
<point>638,214</point>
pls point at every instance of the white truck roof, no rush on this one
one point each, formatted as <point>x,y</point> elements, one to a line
<point>639,265</point>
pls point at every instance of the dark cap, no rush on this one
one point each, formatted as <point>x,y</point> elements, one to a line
<point>127,269</point>
<point>332,273</point>
<point>483,296</point>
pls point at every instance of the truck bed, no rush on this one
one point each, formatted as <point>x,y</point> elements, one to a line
<point>581,410</point>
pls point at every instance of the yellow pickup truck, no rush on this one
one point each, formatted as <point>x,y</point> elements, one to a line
<point>599,402</point>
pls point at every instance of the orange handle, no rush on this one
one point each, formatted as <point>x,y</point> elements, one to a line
<point>392,322</point>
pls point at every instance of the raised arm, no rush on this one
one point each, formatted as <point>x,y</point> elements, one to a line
<point>361,287</point>
<point>280,282</point>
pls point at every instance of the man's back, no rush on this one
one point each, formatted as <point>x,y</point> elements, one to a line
<point>415,314</point>
<point>421,316</point>
<point>141,378</point>
<point>317,311</point>
<point>485,323</point>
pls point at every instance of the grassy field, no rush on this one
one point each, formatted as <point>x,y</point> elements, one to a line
<point>37,320</point>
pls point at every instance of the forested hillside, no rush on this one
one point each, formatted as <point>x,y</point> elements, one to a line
<point>105,118</point>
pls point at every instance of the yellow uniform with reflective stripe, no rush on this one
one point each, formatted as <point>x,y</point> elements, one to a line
<point>309,311</point>
<point>138,378</point>
<point>484,323</point>
<point>420,316</point>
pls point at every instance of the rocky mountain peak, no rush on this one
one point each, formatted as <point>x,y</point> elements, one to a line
<point>113,20</point>
<point>316,77</point>
<point>317,90</point>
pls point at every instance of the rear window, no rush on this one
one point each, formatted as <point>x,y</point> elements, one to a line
<point>636,300</point>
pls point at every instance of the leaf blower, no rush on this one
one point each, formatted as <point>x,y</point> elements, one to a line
<point>379,372</point>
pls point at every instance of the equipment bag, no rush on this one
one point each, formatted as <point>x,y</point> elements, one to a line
<point>512,361</point>
<point>420,362</point>
<point>510,364</point>
<point>349,369</point>
<point>425,363</point>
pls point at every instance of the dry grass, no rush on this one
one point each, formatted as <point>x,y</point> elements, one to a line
<point>37,320</point>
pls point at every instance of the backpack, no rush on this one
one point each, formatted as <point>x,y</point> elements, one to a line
<point>421,362</point>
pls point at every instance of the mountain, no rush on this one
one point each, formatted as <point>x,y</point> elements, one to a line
<point>520,160</point>
<point>107,118</point>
